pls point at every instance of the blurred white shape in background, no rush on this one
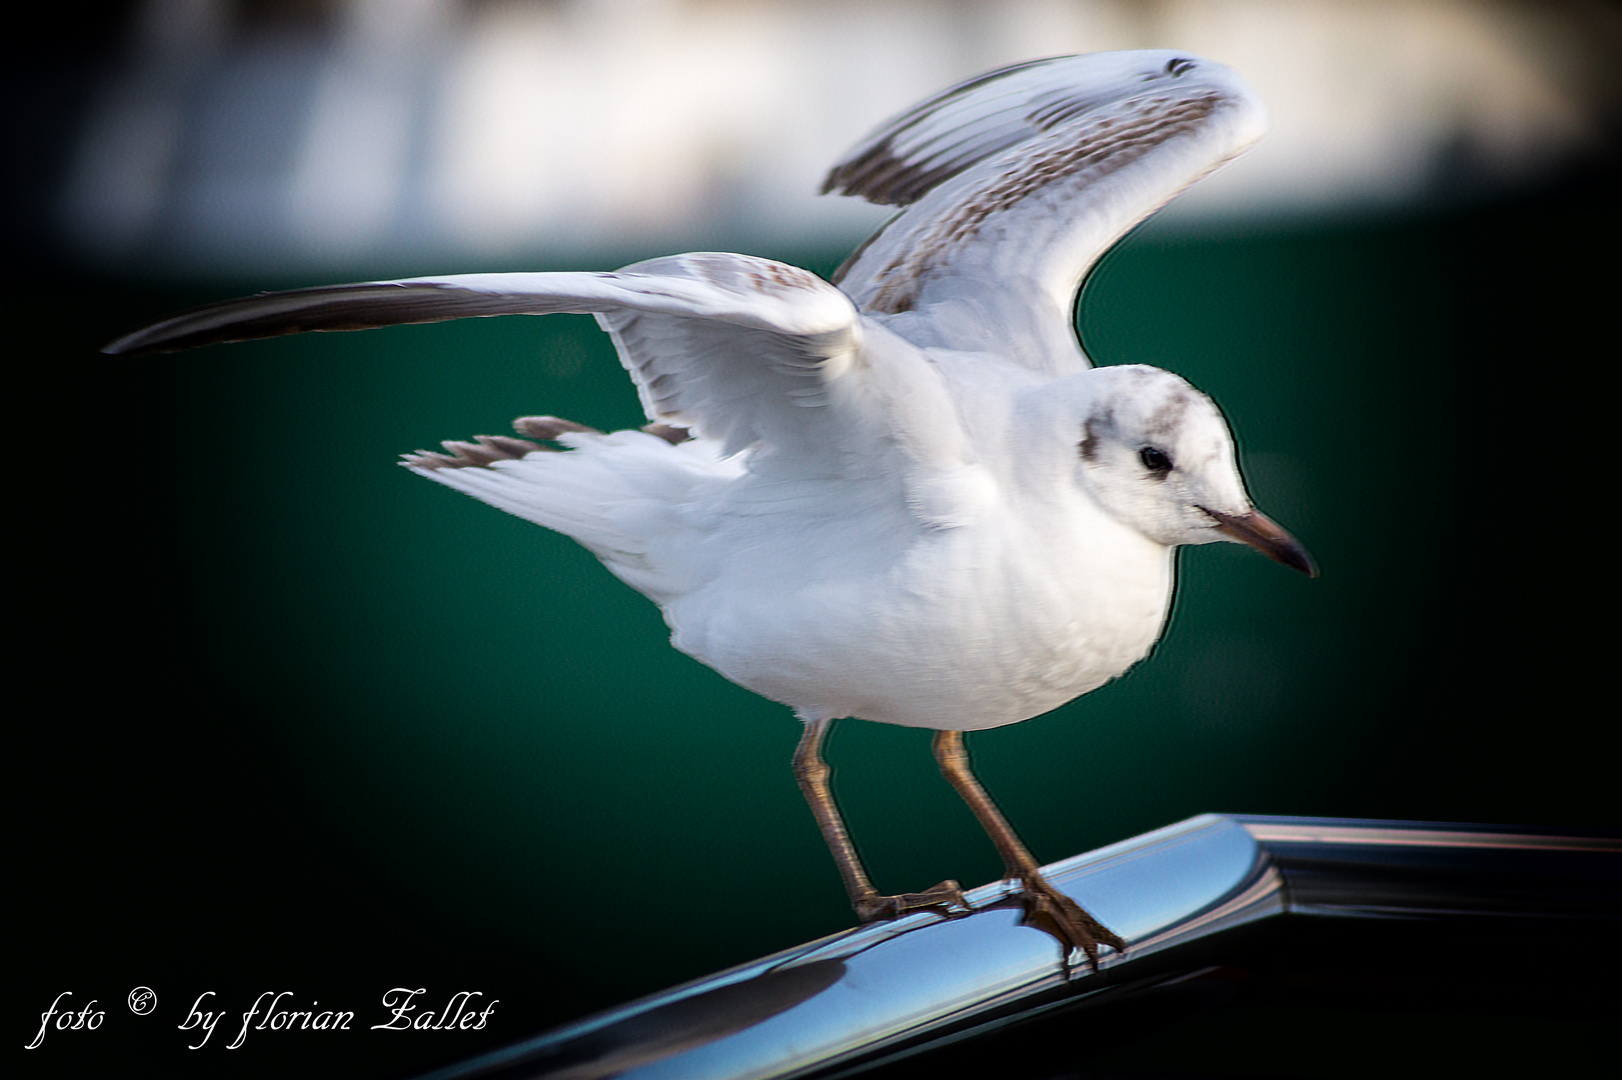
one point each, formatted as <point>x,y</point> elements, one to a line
<point>245,133</point>
<point>347,175</point>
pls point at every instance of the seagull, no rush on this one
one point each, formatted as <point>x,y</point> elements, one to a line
<point>903,495</point>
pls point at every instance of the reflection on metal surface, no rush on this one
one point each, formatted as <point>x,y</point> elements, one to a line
<point>677,1025</point>
<point>1285,830</point>
<point>872,994</point>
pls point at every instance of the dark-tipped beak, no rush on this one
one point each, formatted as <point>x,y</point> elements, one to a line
<point>1262,533</point>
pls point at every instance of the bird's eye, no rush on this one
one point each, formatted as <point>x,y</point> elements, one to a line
<point>1178,65</point>
<point>1156,460</point>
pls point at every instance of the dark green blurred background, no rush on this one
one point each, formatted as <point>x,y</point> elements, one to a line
<point>291,718</point>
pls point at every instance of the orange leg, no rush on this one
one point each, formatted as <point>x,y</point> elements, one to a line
<point>812,773</point>
<point>1046,908</point>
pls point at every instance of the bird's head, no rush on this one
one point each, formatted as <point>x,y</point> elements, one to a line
<point>1157,455</point>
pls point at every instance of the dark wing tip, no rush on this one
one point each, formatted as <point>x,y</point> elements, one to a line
<point>876,172</point>
<point>363,306</point>
<point>263,315</point>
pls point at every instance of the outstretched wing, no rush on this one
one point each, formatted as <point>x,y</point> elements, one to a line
<point>730,346</point>
<point>1015,182</point>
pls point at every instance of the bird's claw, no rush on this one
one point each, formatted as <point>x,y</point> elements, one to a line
<point>948,894</point>
<point>1055,914</point>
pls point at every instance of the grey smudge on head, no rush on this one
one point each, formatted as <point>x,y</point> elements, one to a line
<point>1089,442</point>
<point>1165,420</point>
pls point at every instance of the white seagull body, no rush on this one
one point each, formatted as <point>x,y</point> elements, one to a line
<point>907,498</point>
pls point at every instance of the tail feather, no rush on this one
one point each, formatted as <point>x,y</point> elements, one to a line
<point>484,450</point>
<point>614,493</point>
